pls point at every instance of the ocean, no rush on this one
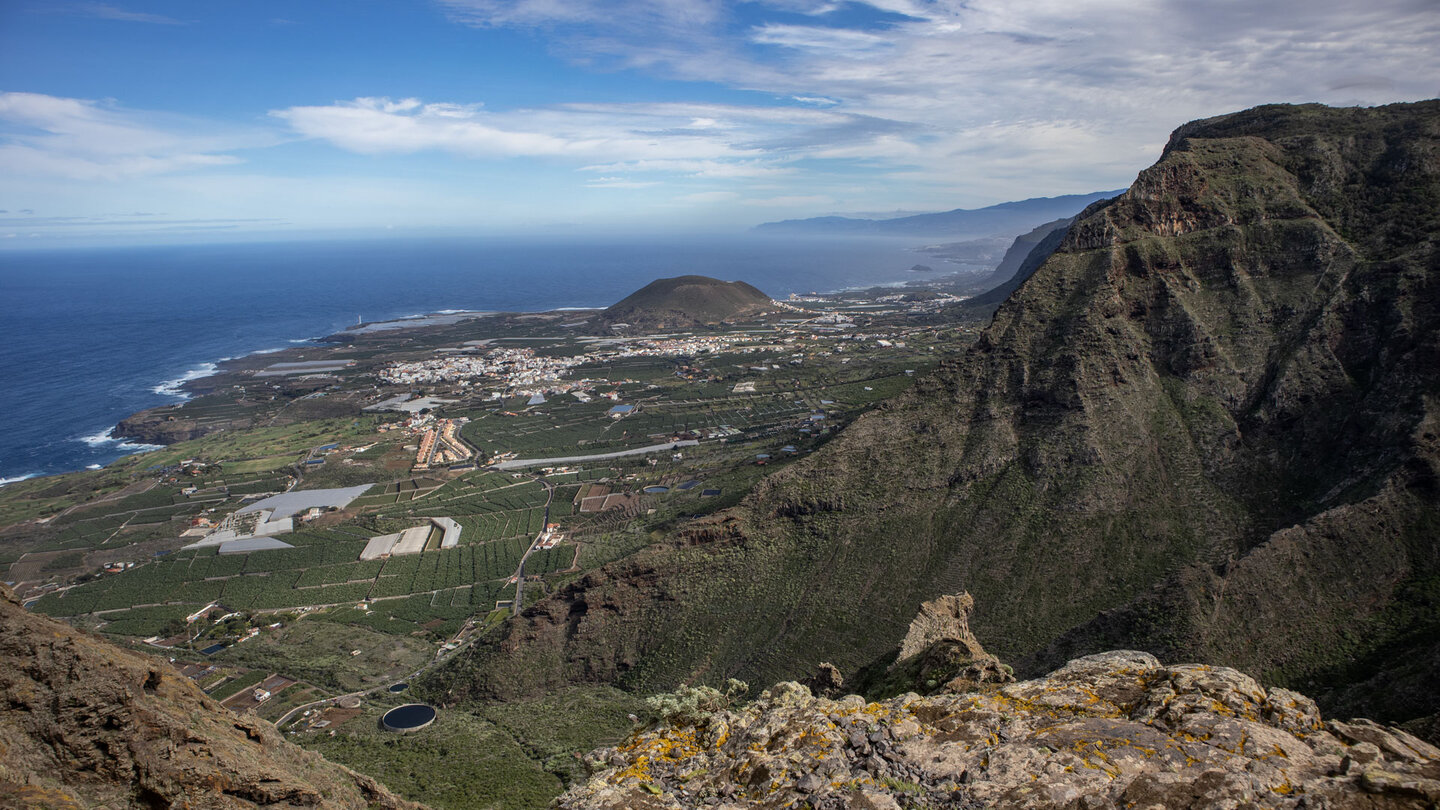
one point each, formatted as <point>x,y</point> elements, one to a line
<point>93,335</point>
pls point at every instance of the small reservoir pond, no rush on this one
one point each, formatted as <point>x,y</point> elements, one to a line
<point>410,717</point>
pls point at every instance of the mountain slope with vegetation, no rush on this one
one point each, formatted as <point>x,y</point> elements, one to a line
<point>1022,247</point>
<point>1205,427</point>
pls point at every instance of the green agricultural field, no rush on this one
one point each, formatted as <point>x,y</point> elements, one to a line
<point>259,464</point>
<point>323,653</point>
<point>347,624</point>
<point>260,443</point>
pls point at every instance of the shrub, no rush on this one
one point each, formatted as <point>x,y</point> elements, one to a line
<point>694,704</point>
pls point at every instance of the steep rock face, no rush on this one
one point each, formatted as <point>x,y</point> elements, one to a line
<point>84,723</point>
<point>1209,419</point>
<point>1116,729</point>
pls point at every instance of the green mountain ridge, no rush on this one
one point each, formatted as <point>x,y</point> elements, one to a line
<point>1205,427</point>
<point>1021,249</point>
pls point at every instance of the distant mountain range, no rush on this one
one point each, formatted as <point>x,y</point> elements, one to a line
<point>1006,219</point>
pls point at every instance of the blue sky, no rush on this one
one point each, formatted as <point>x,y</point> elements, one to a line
<point>132,121</point>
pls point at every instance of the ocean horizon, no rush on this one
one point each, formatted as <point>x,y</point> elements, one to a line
<point>95,334</point>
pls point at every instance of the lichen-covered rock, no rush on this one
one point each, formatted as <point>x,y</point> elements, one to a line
<point>1117,729</point>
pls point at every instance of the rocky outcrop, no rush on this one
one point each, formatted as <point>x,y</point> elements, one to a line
<point>164,425</point>
<point>944,619</point>
<point>826,681</point>
<point>1116,729</point>
<point>940,653</point>
<point>84,723</point>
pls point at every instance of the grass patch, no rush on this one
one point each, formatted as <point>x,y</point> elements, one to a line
<point>459,762</point>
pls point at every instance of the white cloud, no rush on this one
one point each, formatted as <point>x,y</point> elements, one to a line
<point>105,11</point>
<point>697,168</point>
<point>668,14</point>
<point>963,91</point>
<point>708,197</point>
<point>88,140</point>
<point>619,182</point>
<point>793,201</point>
<point>839,41</point>
<point>378,125</point>
<point>699,140</point>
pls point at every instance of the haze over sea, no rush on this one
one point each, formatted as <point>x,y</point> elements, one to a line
<point>94,335</point>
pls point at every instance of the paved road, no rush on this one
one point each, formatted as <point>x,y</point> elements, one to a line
<point>519,603</point>
<point>517,463</point>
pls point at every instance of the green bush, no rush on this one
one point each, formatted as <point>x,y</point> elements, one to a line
<point>693,704</point>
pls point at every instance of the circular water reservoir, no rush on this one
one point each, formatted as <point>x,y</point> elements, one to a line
<point>399,687</point>
<point>656,490</point>
<point>407,718</point>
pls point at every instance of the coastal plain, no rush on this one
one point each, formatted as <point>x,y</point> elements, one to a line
<point>486,460</point>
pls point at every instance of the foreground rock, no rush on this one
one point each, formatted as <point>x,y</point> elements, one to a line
<point>84,723</point>
<point>1116,729</point>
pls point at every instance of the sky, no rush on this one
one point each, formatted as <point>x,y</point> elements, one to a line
<point>151,122</point>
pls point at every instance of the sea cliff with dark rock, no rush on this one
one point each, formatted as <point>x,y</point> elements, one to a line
<point>163,425</point>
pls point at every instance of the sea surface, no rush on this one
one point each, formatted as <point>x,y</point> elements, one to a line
<point>91,336</point>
